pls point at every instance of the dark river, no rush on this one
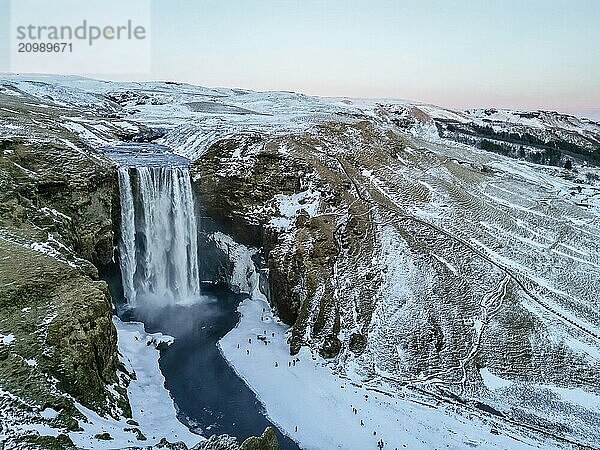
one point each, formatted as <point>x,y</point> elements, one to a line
<point>210,397</point>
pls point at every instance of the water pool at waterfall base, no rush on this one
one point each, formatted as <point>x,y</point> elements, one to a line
<point>158,284</point>
<point>209,396</point>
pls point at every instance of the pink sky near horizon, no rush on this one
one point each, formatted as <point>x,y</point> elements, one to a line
<point>533,54</point>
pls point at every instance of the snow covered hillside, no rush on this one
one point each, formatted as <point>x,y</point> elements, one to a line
<point>446,261</point>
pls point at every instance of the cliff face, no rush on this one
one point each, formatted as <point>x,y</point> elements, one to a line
<point>62,192</point>
<point>61,323</point>
<point>55,221</point>
<point>235,196</point>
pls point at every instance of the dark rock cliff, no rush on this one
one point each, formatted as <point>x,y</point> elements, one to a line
<point>56,211</point>
<point>238,181</point>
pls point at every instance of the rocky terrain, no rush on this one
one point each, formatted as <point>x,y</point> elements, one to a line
<point>431,266</point>
<point>59,210</point>
<point>419,249</point>
<point>57,204</point>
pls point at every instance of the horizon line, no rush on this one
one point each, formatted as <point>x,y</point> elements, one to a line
<point>572,111</point>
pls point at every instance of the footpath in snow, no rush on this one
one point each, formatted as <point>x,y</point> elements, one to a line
<point>320,410</point>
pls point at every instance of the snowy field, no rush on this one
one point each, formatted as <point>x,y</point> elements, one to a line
<point>316,408</point>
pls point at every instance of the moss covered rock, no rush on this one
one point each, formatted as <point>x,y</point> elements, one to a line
<point>57,206</point>
<point>268,441</point>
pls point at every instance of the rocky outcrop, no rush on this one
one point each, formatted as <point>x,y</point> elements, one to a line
<point>251,184</point>
<point>240,184</point>
<point>62,328</point>
<point>64,192</point>
<point>55,226</point>
<point>268,441</point>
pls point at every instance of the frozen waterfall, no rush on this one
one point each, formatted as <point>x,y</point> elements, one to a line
<point>158,246</point>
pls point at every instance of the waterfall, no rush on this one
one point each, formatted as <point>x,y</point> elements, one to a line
<point>158,247</point>
<point>127,242</point>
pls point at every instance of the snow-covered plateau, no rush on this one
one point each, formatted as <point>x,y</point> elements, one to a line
<point>417,275</point>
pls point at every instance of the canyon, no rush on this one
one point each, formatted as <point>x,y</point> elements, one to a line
<point>398,253</point>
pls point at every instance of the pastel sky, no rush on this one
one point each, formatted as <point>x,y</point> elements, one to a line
<point>461,53</point>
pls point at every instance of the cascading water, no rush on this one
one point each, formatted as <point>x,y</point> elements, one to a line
<point>158,247</point>
<point>160,278</point>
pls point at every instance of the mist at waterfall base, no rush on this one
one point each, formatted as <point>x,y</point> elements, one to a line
<point>210,397</point>
<point>158,246</point>
<point>159,286</point>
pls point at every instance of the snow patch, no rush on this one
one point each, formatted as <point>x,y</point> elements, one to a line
<point>290,205</point>
<point>492,381</point>
<point>7,339</point>
<point>49,413</point>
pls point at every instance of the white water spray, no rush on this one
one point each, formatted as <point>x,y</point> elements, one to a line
<point>158,247</point>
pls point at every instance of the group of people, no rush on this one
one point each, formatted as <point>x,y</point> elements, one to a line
<point>263,338</point>
<point>380,442</point>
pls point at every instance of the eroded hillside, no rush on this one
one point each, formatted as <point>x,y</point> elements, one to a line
<point>421,264</point>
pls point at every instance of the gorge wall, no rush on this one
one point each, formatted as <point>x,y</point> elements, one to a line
<point>377,256</point>
<point>55,224</point>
